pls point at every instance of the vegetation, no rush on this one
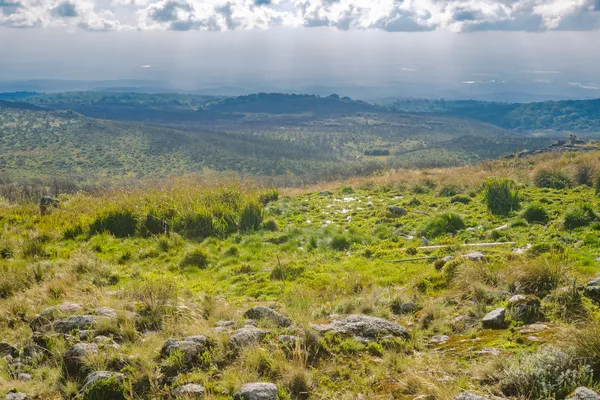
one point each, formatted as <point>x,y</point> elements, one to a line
<point>535,214</point>
<point>501,196</point>
<point>553,179</point>
<point>442,224</point>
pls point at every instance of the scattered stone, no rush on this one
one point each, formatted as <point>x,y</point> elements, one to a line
<point>189,391</point>
<point>490,350</point>
<point>190,347</point>
<point>75,322</point>
<point>47,203</point>
<point>288,341</point>
<point>246,336</point>
<point>525,309</point>
<point>470,396</point>
<point>364,326</point>
<point>106,312</point>
<point>474,256</point>
<point>14,395</point>
<point>439,339</point>
<point>583,393</point>
<point>257,391</point>
<point>48,315</point>
<point>494,319</point>
<point>405,308</point>
<point>592,289</point>
<point>522,250</point>
<point>533,328</point>
<point>115,392</point>
<point>23,377</point>
<point>396,210</point>
<point>74,358</point>
<point>262,312</point>
<point>225,324</point>
<point>8,350</point>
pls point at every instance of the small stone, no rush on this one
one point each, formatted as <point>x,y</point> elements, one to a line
<point>439,339</point>
<point>364,326</point>
<point>257,391</point>
<point>261,312</point>
<point>225,324</point>
<point>288,341</point>
<point>74,358</point>
<point>405,308</point>
<point>470,396</point>
<point>525,309</point>
<point>474,256</point>
<point>106,312</point>
<point>246,336</point>
<point>14,395</point>
<point>533,328</point>
<point>189,391</point>
<point>23,377</point>
<point>583,393</point>
<point>396,210</point>
<point>75,322</point>
<point>191,347</point>
<point>494,319</point>
<point>490,350</point>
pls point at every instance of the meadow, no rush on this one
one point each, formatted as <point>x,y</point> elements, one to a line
<point>364,288</point>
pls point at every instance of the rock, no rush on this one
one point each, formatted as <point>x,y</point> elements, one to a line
<point>364,326</point>
<point>592,289</point>
<point>14,395</point>
<point>23,377</point>
<point>74,358</point>
<point>47,203</point>
<point>474,256</point>
<point>525,309</point>
<point>189,391</point>
<point>533,328</point>
<point>405,308</point>
<point>257,391</point>
<point>439,339</point>
<point>261,312</point>
<point>494,319</point>
<point>396,210</point>
<point>191,347</point>
<point>246,336</point>
<point>114,391</point>
<point>288,341</point>
<point>583,393</point>
<point>470,396</point>
<point>225,324</point>
<point>8,350</point>
<point>75,322</point>
<point>522,250</point>
<point>48,315</point>
<point>106,312</point>
<point>490,350</point>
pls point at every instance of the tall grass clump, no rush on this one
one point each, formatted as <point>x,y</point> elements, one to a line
<point>119,223</point>
<point>535,214</point>
<point>442,224</point>
<point>587,344</point>
<point>540,276</point>
<point>194,224</point>
<point>584,174</point>
<point>552,178</point>
<point>251,217</point>
<point>579,217</point>
<point>501,196</point>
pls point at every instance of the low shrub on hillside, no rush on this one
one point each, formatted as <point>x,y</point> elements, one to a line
<point>195,258</point>
<point>584,174</point>
<point>587,345</point>
<point>341,242</point>
<point>442,224</point>
<point>449,190</point>
<point>552,178</point>
<point>540,276</point>
<point>194,224</point>
<point>597,185</point>
<point>119,223</point>
<point>535,214</point>
<point>268,196</point>
<point>580,216</point>
<point>501,196</point>
<point>251,217</point>
<point>460,198</point>
<point>549,373</point>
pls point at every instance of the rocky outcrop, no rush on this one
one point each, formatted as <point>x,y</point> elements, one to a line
<point>74,358</point>
<point>257,391</point>
<point>495,319</point>
<point>583,393</point>
<point>189,391</point>
<point>75,322</point>
<point>592,289</point>
<point>405,308</point>
<point>261,312</point>
<point>191,347</point>
<point>525,309</point>
<point>246,336</point>
<point>104,385</point>
<point>364,327</point>
<point>470,396</point>
<point>396,210</point>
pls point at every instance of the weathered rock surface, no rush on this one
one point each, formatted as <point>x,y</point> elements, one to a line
<point>364,326</point>
<point>495,319</point>
<point>106,312</point>
<point>75,322</point>
<point>592,289</point>
<point>474,256</point>
<point>526,309</point>
<point>189,391</point>
<point>74,358</point>
<point>50,314</point>
<point>405,308</point>
<point>288,341</point>
<point>191,347</point>
<point>16,396</point>
<point>261,312</point>
<point>583,393</point>
<point>439,339</point>
<point>470,396</point>
<point>246,336</point>
<point>396,210</point>
<point>99,376</point>
<point>257,391</point>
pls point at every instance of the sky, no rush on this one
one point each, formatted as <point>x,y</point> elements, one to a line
<point>415,47</point>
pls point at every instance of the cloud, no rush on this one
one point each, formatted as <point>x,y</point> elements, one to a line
<point>387,15</point>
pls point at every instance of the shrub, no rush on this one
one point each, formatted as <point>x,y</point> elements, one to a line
<point>584,174</point>
<point>549,373</point>
<point>6,250</point>
<point>154,223</point>
<point>449,191</point>
<point>119,223</point>
<point>106,389</point>
<point>552,178</point>
<point>541,276</point>
<point>597,185</point>
<point>500,196</point>
<point>535,214</point>
<point>587,345</point>
<point>269,196</point>
<point>340,242</point>
<point>460,198</point>
<point>194,224</point>
<point>579,217</point>
<point>195,258</point>
<point>442,224</point>
<point>347,190</point>
<point>34,248</point>
<point>270,225</point>
<point>251,217</point>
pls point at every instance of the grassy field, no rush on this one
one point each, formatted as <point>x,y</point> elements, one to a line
<point>189,257</point>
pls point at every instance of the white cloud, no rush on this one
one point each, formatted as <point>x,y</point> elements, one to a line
<point>389,15</point>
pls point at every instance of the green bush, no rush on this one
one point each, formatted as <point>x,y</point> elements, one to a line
<point>501,196</point>
<point>106,389</point>
<point>195,258</point>
<point>268,196</point>
<point>548,374</point>
<point>541,276</point>
<point>6,250</point>
<point>579,217</point>
<point>347,190</point>
<point>442,224</point>
<point>34,248</point>
<point>535,214</point>
<point>340,242</point>
<point>584,174</point>
<point>119,223</point>
<point>194,224</point>
<point>251,217</point>
<point>552,178</point>
<point>597,185</point>
<point>155,223</point>
<point>449,191</point>
<point>270,225</point>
